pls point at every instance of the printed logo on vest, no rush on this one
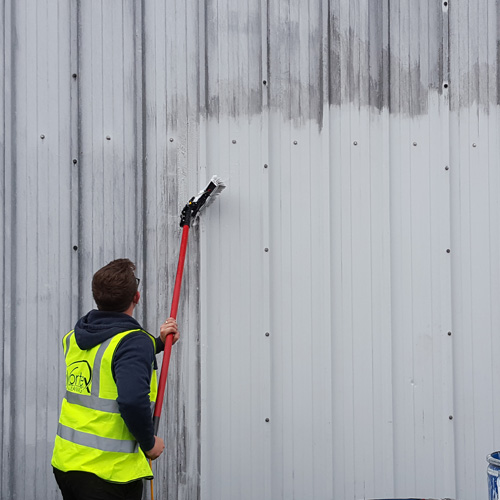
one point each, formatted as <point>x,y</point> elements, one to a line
<point>78,377</point>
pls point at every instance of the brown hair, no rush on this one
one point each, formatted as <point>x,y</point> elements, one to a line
<point>114,286</point>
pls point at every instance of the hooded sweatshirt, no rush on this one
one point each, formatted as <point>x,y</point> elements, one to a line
<point>131,367</point>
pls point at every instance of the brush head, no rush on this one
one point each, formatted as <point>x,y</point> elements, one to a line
<point>201,201</point>
<point>207,196</point>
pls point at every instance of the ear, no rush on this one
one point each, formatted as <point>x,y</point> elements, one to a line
<point>136,298</point>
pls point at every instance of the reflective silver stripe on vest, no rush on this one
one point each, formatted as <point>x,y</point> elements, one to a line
<point>96,442</point>
<point>92,402</point>
<point>68,338</point>
<point>96,371</point>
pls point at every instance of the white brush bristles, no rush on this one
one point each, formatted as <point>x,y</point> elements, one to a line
<point>218,182</point>
<point>207,196</point>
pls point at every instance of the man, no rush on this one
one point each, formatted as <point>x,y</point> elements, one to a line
<point>105,429</point>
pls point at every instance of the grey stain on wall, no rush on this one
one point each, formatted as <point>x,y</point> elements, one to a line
<point>371,54</point>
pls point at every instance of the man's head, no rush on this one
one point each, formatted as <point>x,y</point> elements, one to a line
<point>114,286</point>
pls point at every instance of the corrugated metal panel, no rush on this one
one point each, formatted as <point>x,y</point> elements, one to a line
<point>136,173</point>
<point>334,348</point>
<point>474,125</point>
<point>235,296</point>
<point>36,249</point>
<point>420,267</point>
<point>89,191</point>
<point>170,149</point>
<point>362,387</point>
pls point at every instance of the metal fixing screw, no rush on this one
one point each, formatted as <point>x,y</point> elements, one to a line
<point>171,139</point>
<point>267,420</point>
<point>108,138</point>
<point>474,145</point>
<point>295,143</point>
<point>414,143</point>
<point>234,141</point>
<point>265,165</point>
<point>355,143</point>
<point>267,334</point>
<point>266,249</point>
<point>42,136</point>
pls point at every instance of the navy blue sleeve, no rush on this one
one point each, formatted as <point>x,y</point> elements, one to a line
<point>160,346</point>
<point>132,369</point>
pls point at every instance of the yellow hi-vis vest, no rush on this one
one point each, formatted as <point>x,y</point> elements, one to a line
<point>91,435</point>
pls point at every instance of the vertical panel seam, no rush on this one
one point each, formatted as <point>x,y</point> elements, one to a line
<point>444,96</point>
<point>10,260</point>
<point>75,135</point>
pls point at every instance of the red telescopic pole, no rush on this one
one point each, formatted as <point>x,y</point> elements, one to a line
<point>168,341</point>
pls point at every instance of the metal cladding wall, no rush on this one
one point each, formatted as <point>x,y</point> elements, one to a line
<point>94,168</point>
<point>339,311</point>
